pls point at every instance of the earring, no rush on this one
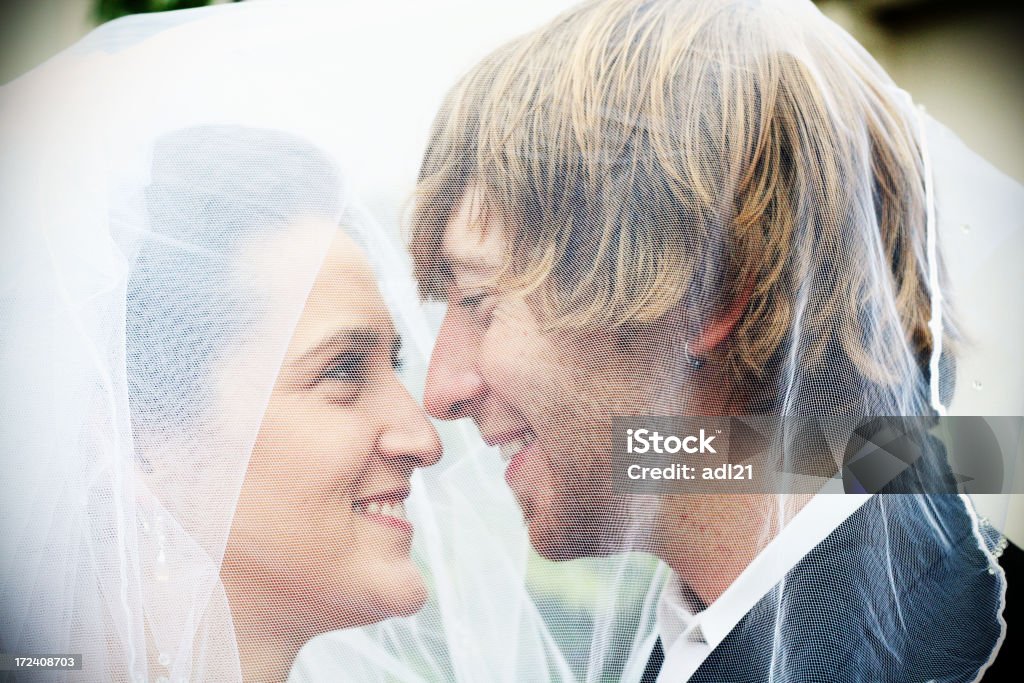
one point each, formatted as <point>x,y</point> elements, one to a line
<point>695,362</point>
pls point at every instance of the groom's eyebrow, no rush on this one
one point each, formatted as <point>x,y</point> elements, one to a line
<point>464,262</point>
<point>473,265</point>
<point>448,269</point>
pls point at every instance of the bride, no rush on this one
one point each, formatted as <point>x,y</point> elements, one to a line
<point>210,447</point>
<point>211,462</point>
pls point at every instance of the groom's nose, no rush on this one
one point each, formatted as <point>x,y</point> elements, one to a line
<point>454,386</point>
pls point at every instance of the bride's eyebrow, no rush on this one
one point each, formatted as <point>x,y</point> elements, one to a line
<point>364,339</point>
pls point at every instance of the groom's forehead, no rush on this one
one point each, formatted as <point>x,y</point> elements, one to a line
<point>473,240</point>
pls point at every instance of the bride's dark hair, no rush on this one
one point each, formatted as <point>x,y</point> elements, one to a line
<point>198,214</point>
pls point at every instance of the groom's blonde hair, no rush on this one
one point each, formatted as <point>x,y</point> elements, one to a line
<point>646,154</point>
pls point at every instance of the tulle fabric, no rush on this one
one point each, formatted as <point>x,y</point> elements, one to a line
<point>104,559</point>
<point>145,170</point>
<point>650,164</point>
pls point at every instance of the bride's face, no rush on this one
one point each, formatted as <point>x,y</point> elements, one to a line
<point>319,536</point>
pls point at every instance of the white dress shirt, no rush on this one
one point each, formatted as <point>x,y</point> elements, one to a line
<point>688,638</point>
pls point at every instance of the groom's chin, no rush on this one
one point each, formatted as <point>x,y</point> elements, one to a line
<point>559,542</point>
<point>579,533</point>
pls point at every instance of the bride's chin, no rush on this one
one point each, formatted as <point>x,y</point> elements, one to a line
<point>391,591</point>
<point>402,595</point>
<point>346,616</point>
<point>412,602</point>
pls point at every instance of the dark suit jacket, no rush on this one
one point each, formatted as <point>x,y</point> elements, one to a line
<point>939,622</point>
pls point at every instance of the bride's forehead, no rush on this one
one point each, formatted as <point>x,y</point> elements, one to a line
<point>346,274</point>
<point>345,292</point>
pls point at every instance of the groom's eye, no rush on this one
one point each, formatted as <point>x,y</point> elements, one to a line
<point>472,301</point>
<point>476,305</point>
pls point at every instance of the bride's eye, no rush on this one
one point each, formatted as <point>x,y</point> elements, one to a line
<point>345,367</point>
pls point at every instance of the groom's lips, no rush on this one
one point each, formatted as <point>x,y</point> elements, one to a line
<point>515,465</point>
<point>518,463</point>
<point>517,476</point>
<point>506,437</point>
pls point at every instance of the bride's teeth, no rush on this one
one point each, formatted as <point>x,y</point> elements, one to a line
<point>390,509</point>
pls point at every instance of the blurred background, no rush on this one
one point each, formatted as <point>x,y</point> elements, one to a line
<point>959,58</point>
<point>962,59</point>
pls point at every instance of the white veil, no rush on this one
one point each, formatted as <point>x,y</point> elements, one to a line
<point>726,210</point>
<point>102,559</point>
<point>144,171</point>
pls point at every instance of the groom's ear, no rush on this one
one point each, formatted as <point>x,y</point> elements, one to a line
<point>709,336</point>
<point>721,325</point>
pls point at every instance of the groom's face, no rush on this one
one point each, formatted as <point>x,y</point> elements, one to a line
<point>545,398</point>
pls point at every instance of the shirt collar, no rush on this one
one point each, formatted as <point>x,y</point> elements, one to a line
<point>678,622</point>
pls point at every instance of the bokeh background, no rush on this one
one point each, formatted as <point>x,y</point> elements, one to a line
<point>962,59</point>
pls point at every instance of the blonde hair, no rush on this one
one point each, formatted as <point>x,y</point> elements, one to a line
<point>643,155</point>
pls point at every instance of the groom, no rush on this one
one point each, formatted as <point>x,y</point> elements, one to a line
<point>549,219</point>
